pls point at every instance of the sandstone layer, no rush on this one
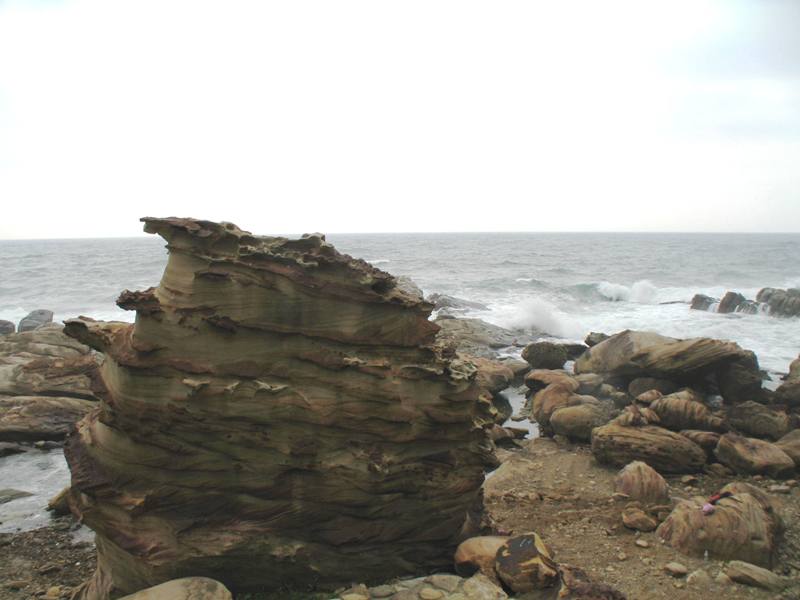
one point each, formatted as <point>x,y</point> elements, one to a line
<point>279,414</point>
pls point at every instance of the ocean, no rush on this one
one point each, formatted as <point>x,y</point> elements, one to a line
<point>564,284</point>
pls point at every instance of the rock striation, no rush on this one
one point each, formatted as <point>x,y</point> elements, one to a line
<point>280,413</point>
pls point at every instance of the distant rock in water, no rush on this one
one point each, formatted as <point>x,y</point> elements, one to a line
<point>7,327</point>
<point>772,301</point>
<point>35,319</point>
<point>279,414</point>
<point>453,304</point>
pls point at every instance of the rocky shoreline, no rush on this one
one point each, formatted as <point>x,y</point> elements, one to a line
<point>661,464</point>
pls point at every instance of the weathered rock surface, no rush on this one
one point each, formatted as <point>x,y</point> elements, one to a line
<point>559,394</point>
<point>443,301</point>
<point>545,355</point>
<point>640,385</point>
<point>789,391</point>
<point>752,575</point>
<point>685,410</point>
<point>635,518</point>
<point>279,413</point>
<point>707,440</point>
<point>782,303</point>
<point>35,319</point>
<point>580,416</point>
<point>702,302</point>
<point>188,588</point>
<point>639,481</point>
<point>790,444</point>
<point>479,338</point>
<point>662,449</point>
<point>632,354</point>
<point>478,554</point>
<point>753,456</point>
<point>524,564</point>
<point>757,420</point>
<point>492,376</point>
<point>744,526</point>
<point>7,327</point>
<point>33,418</point>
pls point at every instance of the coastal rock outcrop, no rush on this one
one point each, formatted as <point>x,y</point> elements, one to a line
<point>35,319</point>
<point>279,413</point>
<point>479,338</point>
<point>782,303</point>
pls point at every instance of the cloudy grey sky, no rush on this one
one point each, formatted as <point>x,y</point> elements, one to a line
<point>427,115</point>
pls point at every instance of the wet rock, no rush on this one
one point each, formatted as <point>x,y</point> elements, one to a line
<point>753,456</point>
<point>188,588</point>
<point>581,415</point>
<point>8,495</point>
<point>665,451</point>
<point>640,481</point>
<point>790,444</point>
<point>478,554</point>
<point>35,319</point>
<point>479,338</point>
<point>730,302</point>
<point>523,563</point>
<point>443,301</point>
<point>267,384</point>
<point>34,418</point>
<point>755,576</point>
<point>595,338</point>
<point>744,526</point>
<point>7,327</point>
<point>545,355</point>
<point>702,302</point>
<point>640,385</point>
<point>757,420</point>
<point>638,520</point>
<point>782,303</point>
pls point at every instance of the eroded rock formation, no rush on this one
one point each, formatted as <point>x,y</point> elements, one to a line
<point>279,413</point>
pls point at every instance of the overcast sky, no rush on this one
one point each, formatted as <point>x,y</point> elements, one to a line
<point>342,116</point>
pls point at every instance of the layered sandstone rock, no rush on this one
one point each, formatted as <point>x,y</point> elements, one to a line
<point>279,414</point>
<point>662,449</point>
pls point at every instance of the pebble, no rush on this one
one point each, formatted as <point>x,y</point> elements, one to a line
<point>622,556</point>
<point>55,592</point>
<point>354,597</point>
<point>679,584</point>
<point>690,480</point>
<point>780,489</point>
<point>642,543</point>
<point>17,585</point>
<point>448,583</point>
<point>675,569</point>
<point>381,591</point>
<point>723,579</point>
<point>428,593</point>
<point>699,578</point>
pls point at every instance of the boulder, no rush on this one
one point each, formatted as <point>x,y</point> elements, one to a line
<point>478,554</point>
<point>7,327</point>
<point>730,302</point>
<point>34,418</point>
<point>595,338</point>
<point>665,451</point>
<point>635,354</point>
<point>524,564</point>
<point>789,391</point>
<point>582,414</point>
<point>635,518</point>
<point>493,376</point>
<point>517,366</point>
<point>35,319</point>
<point>545,402</point>
<point>707,440</point>
<point>59,504</point>
<point>46,362</point>
<point>589,383</point>
<point>188,588</point>
<point>685,410</point>
<point>278,413</point>
<point>759,421</point>
<point>752,456</point>
<point>744,526</point>
<point>639,481</point>
<point>545,355</point>
<point>782,303</point>
<point>790,444</point>
<point>740,380</point>
<point>641,385</point>
<point>538,379</point>
<point>478,338</point>
<point>702,302</point>
<point>755,576</point>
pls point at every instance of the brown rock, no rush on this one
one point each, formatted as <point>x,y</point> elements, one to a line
<point>641,482</point>
<point>640,385</point>
<point>752,575</point>
<point>675,569</point>
<point>685,410</point>
<point>59,504</point>
<point>267,384</point>
<point>707,440</point>
<point>790,444</point>
<point>524,564</point>
<point>545,402</point>
<point>478,554</point>
<point>635,518</point>
<point>34,418</point>
<point>756,420</point>
<point>576,421</point>
<point>789,391</point>
<point>576,585</point>
<point>545,355</point>
<point>665,451</point>
<point>752,456</point>
<point>493,376</point>
<point>538,379</point>
<point>188,588</point>
<point>744,526</point>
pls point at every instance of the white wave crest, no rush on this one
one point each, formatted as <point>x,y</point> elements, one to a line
<point>641,292</point>
<point>542,315</point>
<point>379,261</point>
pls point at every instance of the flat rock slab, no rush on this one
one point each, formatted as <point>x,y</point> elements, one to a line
<point>433,587</point>
<point>753,575</point>
<point>188,588</point>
